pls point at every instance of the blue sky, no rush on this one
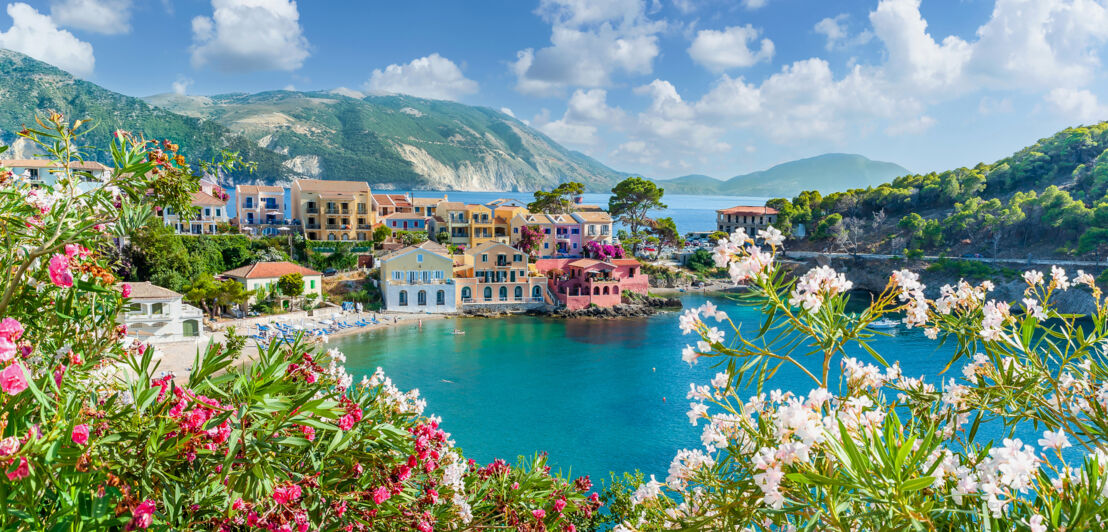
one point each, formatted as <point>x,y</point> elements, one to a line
<point>659,87</point>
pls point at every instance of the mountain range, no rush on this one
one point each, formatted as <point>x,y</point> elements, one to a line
<point>825,173</point>
<point>390,141</point>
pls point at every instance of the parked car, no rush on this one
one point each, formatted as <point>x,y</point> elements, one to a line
<point>330,271</point>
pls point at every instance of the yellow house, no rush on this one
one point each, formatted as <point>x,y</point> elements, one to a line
<point>419,279</point>
<point>498,274</point>
<point>502,225</point>
<point>481,223</point>
<point>333,210</point>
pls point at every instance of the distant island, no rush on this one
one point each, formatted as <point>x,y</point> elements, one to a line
<point>825,173</point>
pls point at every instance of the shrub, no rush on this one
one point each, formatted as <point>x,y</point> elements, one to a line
<point>91,439</point>
<point>869,448</point>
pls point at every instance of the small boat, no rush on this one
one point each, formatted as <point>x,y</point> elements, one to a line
<point>885,323</point>
<point>457,331</point>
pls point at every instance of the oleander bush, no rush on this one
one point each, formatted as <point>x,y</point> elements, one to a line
<point>869,448</point>
<point>93,437</point>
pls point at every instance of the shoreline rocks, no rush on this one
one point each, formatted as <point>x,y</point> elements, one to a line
<point>636,307</point>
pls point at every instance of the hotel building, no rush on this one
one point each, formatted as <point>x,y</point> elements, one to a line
<point>333,210</point>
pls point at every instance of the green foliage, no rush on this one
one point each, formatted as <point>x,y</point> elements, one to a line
<point>632,200</point>
<point>1019,198</point>
<point>380,234</point>
<point>291,284</point>
<point>971,269</point>
<point>161,256</point>
<point>557,201</point>
<point>411,238</point>
<point>828,226</point>
<point>700,261</point>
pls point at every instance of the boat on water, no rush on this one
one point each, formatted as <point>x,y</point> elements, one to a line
<point>458,331</point>
<point>885,323</point>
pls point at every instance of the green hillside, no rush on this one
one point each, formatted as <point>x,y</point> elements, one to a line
<point>396,141</point>
<point>825,173</point>
<point>28,87</point>
<point>390,141</point>
<point>1049,199</point>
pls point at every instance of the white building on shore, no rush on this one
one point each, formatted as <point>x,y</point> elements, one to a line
<point>157,314</point>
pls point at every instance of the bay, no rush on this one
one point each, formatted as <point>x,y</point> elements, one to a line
<point>597,395</point>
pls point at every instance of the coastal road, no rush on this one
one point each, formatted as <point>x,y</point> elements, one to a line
<point>878,256</point>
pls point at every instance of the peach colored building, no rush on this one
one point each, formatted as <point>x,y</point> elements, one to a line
<point>333,210</point>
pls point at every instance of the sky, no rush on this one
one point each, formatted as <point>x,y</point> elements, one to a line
<point>659,87</point>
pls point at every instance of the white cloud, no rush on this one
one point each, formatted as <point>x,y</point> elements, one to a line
<point>433,77</point>
<point>685,6</point>
<point>249,35</point>
<point>990,106</point>
<point>37,35</point>
<point>109,17</point>
<point>755,4</point>
<point>913,126</point>
<point>913,55</point>
<point>1080,105</point>
<point>181,86</point>
<point>1040,43</point>
<point>590,42</point>
<point>838,34</point>
<point>351,93</point>
<point>585,111</point>
<point>730,48</point>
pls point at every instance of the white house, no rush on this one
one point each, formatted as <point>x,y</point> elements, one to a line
<point>44,172</point>
<point>265,275</point>
<point>157,314</point>
<point>419,279</point>
<point>210,206</point>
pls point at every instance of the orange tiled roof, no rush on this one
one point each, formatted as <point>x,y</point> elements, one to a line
<point>255,189</point>
<point>203,199</point>
<point>326,185</point>
<point>87,166</point>
<point>267,270</point>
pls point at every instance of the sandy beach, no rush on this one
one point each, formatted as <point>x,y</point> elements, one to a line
<point>178,357</point>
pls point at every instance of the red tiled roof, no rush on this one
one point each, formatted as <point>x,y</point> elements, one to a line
<point>589,263</point>
<point>748,210</point>
<point>267,270</point>
<point>625,262</point>
<point>392,200</point>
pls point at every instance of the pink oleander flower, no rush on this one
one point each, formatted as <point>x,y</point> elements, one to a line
<point>9,446</point>
<point>309,432</point>
<point>13,379</point>
<point>125,290</point>
<point>238,504</point>
<point>80,434</point>
<point>381,494</point>
<point>143,515</point>
<point>559,505</point>
<point>539,514</point>
<point>59,271</point>
<point>22,471</point>
<point>346,422</point>
<point>286,494</point>
<point>11,329</point>
<point>7,349</point>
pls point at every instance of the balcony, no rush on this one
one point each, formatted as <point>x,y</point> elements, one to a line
<point>337,211</point>
<point>312,210</point>
<point>311,226</point>
<point>335,227</point>
<point>364,226</point>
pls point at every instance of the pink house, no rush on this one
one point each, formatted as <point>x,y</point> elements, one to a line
<point>578,283</point>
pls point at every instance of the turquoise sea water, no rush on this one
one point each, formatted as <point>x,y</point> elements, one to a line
<point>598,395</point>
